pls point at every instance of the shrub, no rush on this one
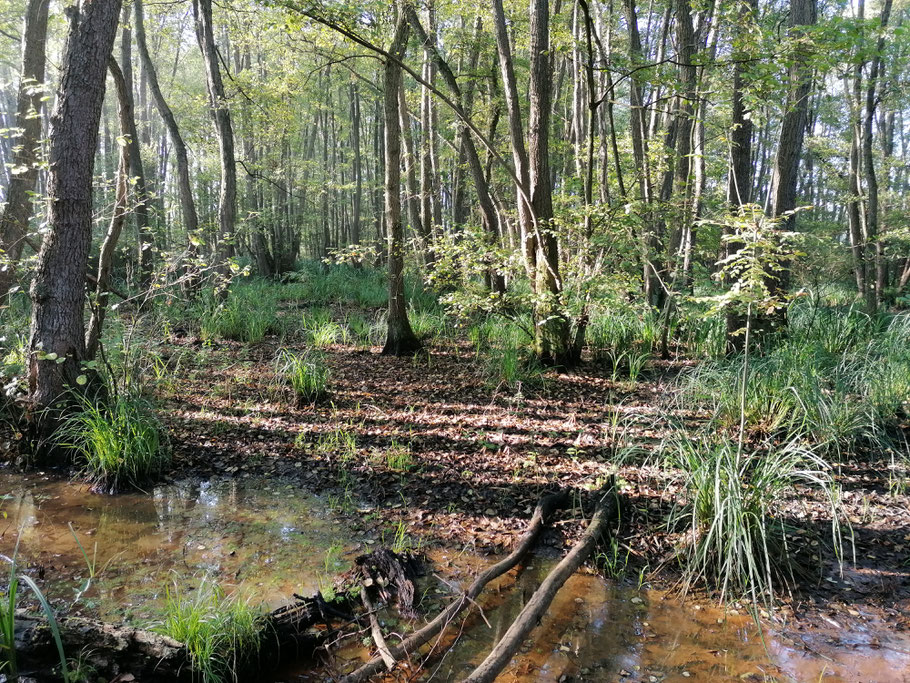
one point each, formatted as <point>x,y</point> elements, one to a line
<point>307,374</point>
<point>119,441</point>
<point>221,633</point>
<point>737,539</point>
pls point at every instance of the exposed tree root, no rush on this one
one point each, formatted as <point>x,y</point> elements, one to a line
<point>542,513</point>
<point>530,616</point>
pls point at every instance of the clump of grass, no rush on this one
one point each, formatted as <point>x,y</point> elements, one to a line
<point>325,333</point>
<point>512,369</point>
<point>427,324</point>
<point>338,444</point>
<point>248,315</point>
<point>398,457</point>
<point>307,374</point>
<point>737,539</point>
<point>222,633</point>
<point>119,441</point>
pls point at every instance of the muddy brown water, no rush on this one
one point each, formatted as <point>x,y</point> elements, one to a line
<point>268,539</point>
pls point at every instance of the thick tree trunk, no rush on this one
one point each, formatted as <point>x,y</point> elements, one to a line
<point>789,148</point>
<point>400,338</point>
<point>57,334</point>
<point>221,113</point>
<point>18,210</point>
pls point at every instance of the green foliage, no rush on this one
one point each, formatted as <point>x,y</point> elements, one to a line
<point>838,381</point>
<point>307,374</point>
<point>221,633</point>
<point>119,441</point>
<point>397,456</point>
<point>737,537</point>
<point>248,315</point>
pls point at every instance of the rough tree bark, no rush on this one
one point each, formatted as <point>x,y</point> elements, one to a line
<point>400,338</point>
<point>18,210</point>
<point>57,333</point>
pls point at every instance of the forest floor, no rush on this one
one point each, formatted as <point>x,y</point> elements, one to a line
<point>433,449</point>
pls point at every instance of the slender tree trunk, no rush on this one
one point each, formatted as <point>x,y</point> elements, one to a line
<point>650,233</point>
<point>526,224</point>
<point>121,209</point>
<point>18,210</point>
<point>227,199</point>
<point>552,343</point>
<point>144,235</point>
<point>184,187</point>
<point>873,242</point>
<point>57,333</point>
<point>400,338</point>
<point>488,211</point>
<point>356,168</point>
<point>739,174</point>
<point>411,186</point>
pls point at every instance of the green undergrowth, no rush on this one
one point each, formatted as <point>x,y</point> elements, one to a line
<point>222,633</point>
<point>839,381</point>
<point>118,441</point>
<point>736,535</point>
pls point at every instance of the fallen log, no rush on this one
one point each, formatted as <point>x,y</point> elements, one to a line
<point>110,649</point>
<point>289,633</point>
<point>529,617</point>
<point>542,513</point>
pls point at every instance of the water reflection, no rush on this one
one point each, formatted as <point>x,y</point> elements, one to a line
<point>267,537</point>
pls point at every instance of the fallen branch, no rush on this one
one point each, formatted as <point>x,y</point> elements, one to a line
<point>529,617</point>
<point>376,631</point>
<point>542,513</point>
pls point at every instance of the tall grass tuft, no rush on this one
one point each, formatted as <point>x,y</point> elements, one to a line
<point>119,441</point>
<point>737,539</point>
<point>248,315</point>
<point>307,374</point>
<point>222,634</point>
<point>839,380</point>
